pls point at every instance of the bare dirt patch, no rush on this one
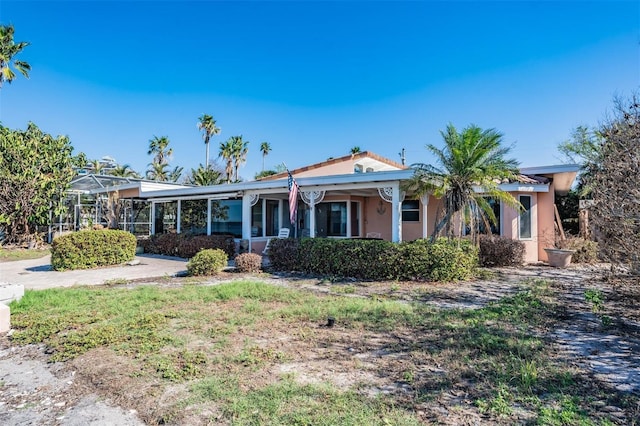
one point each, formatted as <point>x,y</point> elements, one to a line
<point>600,344</point>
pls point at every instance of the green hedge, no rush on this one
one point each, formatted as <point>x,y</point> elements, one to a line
<point>90,249</point>
<point>444,260</point>
<point>186,246</point>
<point>207,262</point>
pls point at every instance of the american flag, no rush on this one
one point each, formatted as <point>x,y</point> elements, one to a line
<point>293,199</point>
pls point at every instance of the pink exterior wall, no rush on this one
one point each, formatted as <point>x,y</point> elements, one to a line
<point>342,168</point>
<point>510,225</point>
<point>546,220</point>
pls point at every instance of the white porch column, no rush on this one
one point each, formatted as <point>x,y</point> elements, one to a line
<point>178,230</point>
<point>424,200</point>
<point>312,216</point>
<point>153,218</point>
<point>396,218</point>
<point>246,217</point>
<point>209,216</point>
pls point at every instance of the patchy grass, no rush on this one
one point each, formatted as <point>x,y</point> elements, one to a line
<point>247,352</point>
<point>13,254</point>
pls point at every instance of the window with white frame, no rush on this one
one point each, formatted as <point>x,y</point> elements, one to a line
<point>411,211</point>
<point>524,220</point>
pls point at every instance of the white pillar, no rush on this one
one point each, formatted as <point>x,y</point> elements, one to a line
<point>424,199</point>
<point>396,218</point>
<point>178,230</point>
<point>312,215</point>
<point>246,218</point>
<point>208,216</point>
<point>153,218</point>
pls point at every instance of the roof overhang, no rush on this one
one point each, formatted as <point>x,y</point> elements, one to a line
<point>563,175</point>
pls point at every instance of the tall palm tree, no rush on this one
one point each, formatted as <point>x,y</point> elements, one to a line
<point>158,147</point>
<point>8,50</point>
<point>158,172</point>
<point>208,126</point>
<point>473,158</point>
<point>265,149</point>
<point>226,153</point>
<point>240,150</point>
<point>124,170</point>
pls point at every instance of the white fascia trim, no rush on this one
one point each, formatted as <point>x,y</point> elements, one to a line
<point>547,170</point>
<point>517,187</point>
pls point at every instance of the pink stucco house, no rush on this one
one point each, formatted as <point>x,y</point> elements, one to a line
<point>347,197</point>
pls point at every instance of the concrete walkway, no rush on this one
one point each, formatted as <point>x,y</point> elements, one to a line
<point>37,274</point>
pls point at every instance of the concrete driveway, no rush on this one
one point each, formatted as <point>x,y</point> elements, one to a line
<point>37,274</point>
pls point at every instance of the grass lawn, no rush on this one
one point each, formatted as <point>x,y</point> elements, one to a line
<point>248,352</point>
<point>8,255</point>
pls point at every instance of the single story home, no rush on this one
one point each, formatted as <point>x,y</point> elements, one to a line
<point>354,196</point>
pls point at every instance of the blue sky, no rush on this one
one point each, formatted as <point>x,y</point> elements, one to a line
<point>317,78</point>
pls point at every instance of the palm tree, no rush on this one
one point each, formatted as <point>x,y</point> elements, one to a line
<point>208,126</point>
<point>174,175</point>
<point>473,158</point>
<point>158,148</point>
<point>125,171</point>
<point>240,150</point>
<point>226,153</point>
<point>355,150</point>
<point>158,172</point>
<point>9,49</point>
<point>265,149</point>
<point>96,166</point>
<point>204,176</point>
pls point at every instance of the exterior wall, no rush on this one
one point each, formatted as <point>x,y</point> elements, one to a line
<point>341,168</point>
<point>129,193</point>
<point>377,217</point>
<point>546,222</point>
<point>510,225</point>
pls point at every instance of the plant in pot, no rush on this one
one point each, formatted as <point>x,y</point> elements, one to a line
<point>557,256</point>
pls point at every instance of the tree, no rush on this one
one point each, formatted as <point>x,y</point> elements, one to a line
<point>8,50</point>
<point>615,188</point>
<point>265,149</point>
<point>204,176</point>
<point>208,127</point>
<point>240,148</point>
<point>174,175</point>
<point>472,158</point>
<point>96,166</point>
<point>35,171</point>
<point>226,153</point>
<point>265,173</point>
<point>124,170</point>
<point>355,150</point>
<point>159,148</point>
<point>158,172</point>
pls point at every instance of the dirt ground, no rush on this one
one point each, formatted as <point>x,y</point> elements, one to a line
<point>97,388</point>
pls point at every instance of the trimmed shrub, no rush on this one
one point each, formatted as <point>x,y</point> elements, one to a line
<point>500,251</point>
<point>186,246</point>
<point>248,262</point>
<point>443,260</point>
<point>89,249</point>
<point>586,251</point>
<point>207,262</point>
<point>283,254</point>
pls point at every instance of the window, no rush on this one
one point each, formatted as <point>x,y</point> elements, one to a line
<point>272,224</point>
<point>331,219</point>
<point>226,217</point>
<point>524,220</point>
<point>193,217</point>
<point>166,217</point>
<point>411,211</point>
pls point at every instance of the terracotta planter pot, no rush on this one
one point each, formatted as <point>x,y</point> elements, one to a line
<point>559,258</point>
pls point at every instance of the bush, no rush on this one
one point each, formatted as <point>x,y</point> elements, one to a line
<point>443,260</point>
<point>586,251</point>
<point>248,262</point>
<point>186,246</point>
<point>207,262</point>
<point>90,249</point>
<point>500,251</point>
